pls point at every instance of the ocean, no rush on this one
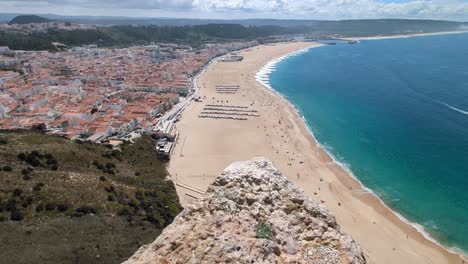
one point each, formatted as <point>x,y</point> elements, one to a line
<point>395,113</point>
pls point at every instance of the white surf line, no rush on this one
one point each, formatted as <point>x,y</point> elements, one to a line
<point>455,109</point>
<point>360,192</point>
<point>444,104</point>
<point>263,75</point>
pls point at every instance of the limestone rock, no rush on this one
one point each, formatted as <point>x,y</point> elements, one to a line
<point>252,214</point>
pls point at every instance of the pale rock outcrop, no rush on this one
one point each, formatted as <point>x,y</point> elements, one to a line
<point>225,225</point>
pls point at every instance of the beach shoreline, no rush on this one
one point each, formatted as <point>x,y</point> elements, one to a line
<point>190,170</point>
<point>265,72</point>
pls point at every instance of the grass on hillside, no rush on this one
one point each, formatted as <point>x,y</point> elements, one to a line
<point>67,202</point>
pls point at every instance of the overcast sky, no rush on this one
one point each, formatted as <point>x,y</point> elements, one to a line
<point>229,9</point>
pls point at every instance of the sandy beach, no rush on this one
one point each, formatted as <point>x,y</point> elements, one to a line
<point>274,130</point>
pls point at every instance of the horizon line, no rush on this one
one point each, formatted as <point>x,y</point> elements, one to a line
<point>225,19</point>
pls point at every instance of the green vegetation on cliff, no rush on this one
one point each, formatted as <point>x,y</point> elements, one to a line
<point>229,30</point>
<point>27,19</point>
<point>66,202</point>
<point>135,35</point>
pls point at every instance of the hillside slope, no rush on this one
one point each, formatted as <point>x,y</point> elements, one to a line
<point>252,214</point>
<point>28,19</point>
<point>64,202</point>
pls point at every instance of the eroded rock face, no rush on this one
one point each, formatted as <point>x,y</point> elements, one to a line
<point>252,214</point>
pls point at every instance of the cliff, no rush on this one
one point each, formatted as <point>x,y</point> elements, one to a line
<point>252,214</point>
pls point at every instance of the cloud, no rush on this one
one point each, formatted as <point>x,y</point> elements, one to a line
<point>300,9</point>
<point>343,9</point>
<point>129,4</point>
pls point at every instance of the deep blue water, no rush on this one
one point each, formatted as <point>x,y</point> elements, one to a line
<point>396,112</point>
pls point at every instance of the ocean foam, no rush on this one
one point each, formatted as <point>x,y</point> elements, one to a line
<point>456,109</point>
<point>263,77</point>
<point>451,107</point>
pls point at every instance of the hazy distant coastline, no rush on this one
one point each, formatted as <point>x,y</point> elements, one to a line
<point>38,34</point>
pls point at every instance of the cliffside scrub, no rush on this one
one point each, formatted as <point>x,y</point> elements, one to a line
<point>67,202</point>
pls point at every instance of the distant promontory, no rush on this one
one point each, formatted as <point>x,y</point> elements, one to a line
<point>28,19</point>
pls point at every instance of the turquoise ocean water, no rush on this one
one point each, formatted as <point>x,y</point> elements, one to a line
<point>395,112</point>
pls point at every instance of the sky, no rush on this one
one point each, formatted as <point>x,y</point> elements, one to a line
<point>233,9</point>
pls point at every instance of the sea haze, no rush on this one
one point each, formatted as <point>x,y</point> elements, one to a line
<point>395,111</point>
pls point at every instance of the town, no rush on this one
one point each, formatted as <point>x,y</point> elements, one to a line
<point>102,95</point>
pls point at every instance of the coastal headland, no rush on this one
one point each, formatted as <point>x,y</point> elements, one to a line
<point>239,119</point>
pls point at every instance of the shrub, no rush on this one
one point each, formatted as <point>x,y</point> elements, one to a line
<point>16,215</point>
<point>263,231</point>
<point>3,141</point>
<point>25,171</point>
<point>111,189</point>
<point>132,203</point>
<point>83,210</point>
<point>54,167</point>
<point>40,207</point>
<point>107,155</point>
<point>150,218</point>
<point>10,205</point>
<point>3,219</point>
<point>28,200</point>
<point>26,177</point>
<point>124,211</point>
<point>38,187</point>
<point>110,165</point>
<point>32,160</point>
<point>110,198</point>
<point>17,192</point>
<point>7,168</point>
<point>50,206</point>
<point>102,178</point>
<point>152,193</point>
<point>62,207</point>
<point>139,196</point>
<point>48,156</point>
<point>137,173</point>
<point>51,162</point>
<point>22,156</point>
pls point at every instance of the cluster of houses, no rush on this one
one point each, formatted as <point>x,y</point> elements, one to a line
<point>98,94</point>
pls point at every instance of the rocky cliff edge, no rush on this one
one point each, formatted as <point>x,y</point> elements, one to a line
<point>252,214</point>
